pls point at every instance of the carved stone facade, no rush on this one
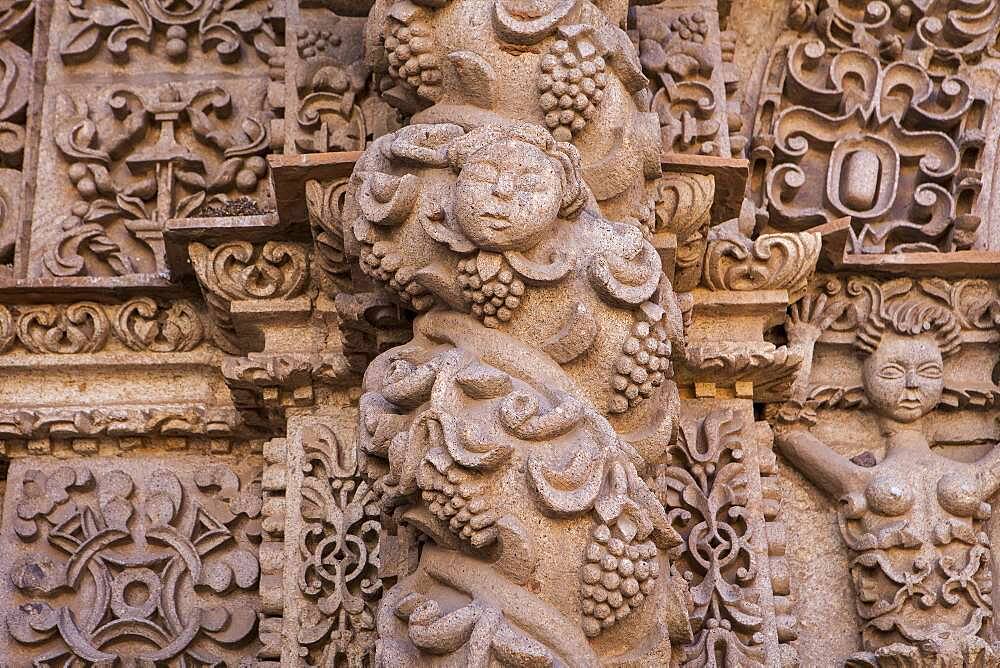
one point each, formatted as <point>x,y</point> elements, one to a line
<point>384,333</point>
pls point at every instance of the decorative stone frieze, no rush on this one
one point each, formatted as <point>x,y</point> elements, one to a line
<point>381,333</point>
<point>151,561</point>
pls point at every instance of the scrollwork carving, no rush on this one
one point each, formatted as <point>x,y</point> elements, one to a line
<point>900,153</point>
<point>242,270</point>
<point>144,325</point>
<point>338,545</point>
<point>76,328</point>
<point>707,489</point>
<point>127,566</point>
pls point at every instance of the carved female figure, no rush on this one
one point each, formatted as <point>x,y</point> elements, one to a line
<point>914,519</point>
<point>512,432</point>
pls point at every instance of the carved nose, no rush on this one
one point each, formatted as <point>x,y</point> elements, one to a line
<point>504,189</point>
<point>911,378</point>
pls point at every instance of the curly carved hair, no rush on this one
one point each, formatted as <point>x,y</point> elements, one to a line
<point>910,318</point>
<point>565,158</point>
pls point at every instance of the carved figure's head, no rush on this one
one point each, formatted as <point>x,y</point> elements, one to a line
<point>514,184</point>
<point>905,347</point>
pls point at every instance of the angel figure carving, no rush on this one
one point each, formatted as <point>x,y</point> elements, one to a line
<point>914,520</point>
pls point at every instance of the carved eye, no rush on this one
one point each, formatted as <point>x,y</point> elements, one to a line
<point>530,182</point>
<point>930,370</point>
<point>891,372</point>
<point>481,172</point>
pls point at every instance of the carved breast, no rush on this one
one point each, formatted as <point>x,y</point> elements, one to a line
<point>890,494</point>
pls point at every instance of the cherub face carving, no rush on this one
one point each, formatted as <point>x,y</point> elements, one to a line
<point>507,196</point>
<point>904,377</point>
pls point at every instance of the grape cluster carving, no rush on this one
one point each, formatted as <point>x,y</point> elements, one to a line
<point>495,300</point>
<point>641,367</point>
<point>455,500</point>
<point>378,261</point>
<point>571,86</point>
<point>617,578</point>
<point>409,49</point>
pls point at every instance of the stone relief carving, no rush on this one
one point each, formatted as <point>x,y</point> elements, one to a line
<point>683,209</point>
<point>566,66</point>
<point>227,29</point>
<point>734,260</point>
<point>912,33</point>
<point>16,41</point>
<point>243,271</point>
<point>138,157</point>
<point>540,322</point>
<point>142,324</point>
<point>15,63</point>
<point>913,519</point>
<point>874,117</point>
<point>681,49</point>
<point>341,514</point>
<point>126,566</point>
<point>339,106</point>
<point>706,490</point>
<point>124,424</point>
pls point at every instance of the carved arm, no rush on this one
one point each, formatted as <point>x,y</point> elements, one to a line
<point>830,471</point>
<point>987,471</point>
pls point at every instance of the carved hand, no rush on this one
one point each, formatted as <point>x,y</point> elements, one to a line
<point>809,318</point>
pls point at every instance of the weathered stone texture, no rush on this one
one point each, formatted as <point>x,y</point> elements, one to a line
<point>482,332</point>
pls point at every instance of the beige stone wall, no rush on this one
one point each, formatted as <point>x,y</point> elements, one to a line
<point>401,332</point>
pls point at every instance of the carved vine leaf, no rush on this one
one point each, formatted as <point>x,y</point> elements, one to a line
<point>192,532</point>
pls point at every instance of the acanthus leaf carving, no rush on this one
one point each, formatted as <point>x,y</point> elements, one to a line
<point>769,262</point>
<point>241,270</point>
